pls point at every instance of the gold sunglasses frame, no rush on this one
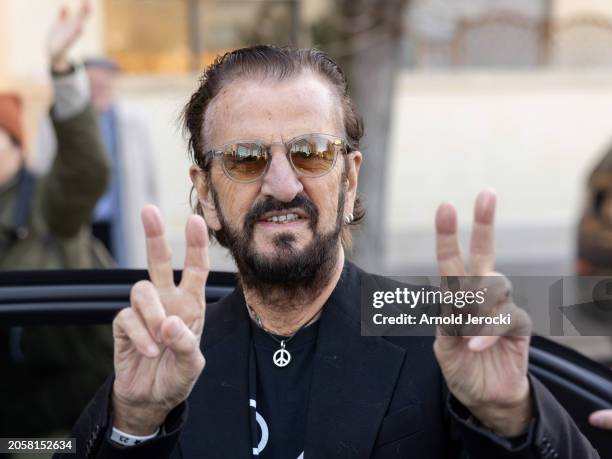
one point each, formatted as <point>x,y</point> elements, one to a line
<point>266,148</point>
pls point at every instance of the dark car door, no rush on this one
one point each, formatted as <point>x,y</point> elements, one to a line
<point>89,297</point>
<point>580,384</point>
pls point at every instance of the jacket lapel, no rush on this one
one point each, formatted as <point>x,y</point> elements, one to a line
<point>218,423</point>
<point>352,382</point>
<point>353,378</point>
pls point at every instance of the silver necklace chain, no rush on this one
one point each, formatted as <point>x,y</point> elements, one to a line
<point>281,357</point>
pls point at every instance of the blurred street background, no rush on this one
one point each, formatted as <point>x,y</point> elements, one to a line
<point>457,96</point>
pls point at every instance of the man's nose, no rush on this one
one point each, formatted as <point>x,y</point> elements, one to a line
<point>281,181</point>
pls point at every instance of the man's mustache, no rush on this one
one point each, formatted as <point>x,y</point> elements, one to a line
<point>270,204</point>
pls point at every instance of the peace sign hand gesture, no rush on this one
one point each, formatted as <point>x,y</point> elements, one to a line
<point>488,374</point>
<point>157,338</point>
<point>65,32</point>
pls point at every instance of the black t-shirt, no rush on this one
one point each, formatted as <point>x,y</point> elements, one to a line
<point>279,395</point>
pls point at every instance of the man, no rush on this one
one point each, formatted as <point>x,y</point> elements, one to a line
<point>275,141</point>
<point>44,224</point>
<point>594,256</point>
<point>133,179</point>
<point>595,226</point>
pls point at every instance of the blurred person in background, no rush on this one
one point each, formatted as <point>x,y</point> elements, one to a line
<point>133,179</point>
<point>44,224</point>
<point>594,256</point>
<point>594,236</point>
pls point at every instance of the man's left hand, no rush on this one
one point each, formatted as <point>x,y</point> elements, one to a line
<point>487,374</point>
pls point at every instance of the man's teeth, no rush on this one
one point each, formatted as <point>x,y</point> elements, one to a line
<point>283,218</point>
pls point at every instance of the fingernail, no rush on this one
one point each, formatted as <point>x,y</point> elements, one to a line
<point>476,343</point>
<point>152,350</point>
<point>446,220</point>
<point>484,211</point>
<point>485,198</point>
<point>173,329</point>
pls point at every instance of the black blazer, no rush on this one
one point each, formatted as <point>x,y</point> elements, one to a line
<point>378,397</point>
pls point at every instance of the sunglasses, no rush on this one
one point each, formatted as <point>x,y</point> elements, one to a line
<point>310,155</point>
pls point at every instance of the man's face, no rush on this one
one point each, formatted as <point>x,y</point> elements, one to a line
<point>9,157</point>
<point>272,112</point>
<point>101,81</point>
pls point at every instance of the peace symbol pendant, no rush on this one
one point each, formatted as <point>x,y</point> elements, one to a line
<point>281,357</point>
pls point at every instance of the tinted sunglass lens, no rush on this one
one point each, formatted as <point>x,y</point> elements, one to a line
<point>244,161</point>
<point>314,156</point>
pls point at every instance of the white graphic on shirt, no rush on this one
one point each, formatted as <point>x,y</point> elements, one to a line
<point>265,433</point>
<point>262,426</point>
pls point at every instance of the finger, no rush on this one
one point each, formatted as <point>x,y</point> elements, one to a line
<point>159,257</point>
<point>184,345</point>
<point>601,419</point>
<point>521,323</point>
<point>496,287</point>
<point>499,302</point>
<point>72,36</point>
<point>63,14</point>
<point>81,17</point>
<point>448,251</point>
<point>481,343</point>
<point>85,9</point>
<point>196,267</point>
<point>506,317</point>
<point>482,246</point>
<point>127,323</point>
<point>146,302</point>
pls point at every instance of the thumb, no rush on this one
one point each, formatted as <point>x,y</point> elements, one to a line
<point>179,339</point>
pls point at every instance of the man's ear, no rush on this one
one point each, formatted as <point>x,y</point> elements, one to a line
<point>353,163</point>
<point>202,187</point>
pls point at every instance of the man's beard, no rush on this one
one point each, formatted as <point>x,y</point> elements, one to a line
<point>290,276</point>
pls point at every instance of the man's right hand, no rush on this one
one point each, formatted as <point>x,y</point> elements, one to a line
<point>157,338</point>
